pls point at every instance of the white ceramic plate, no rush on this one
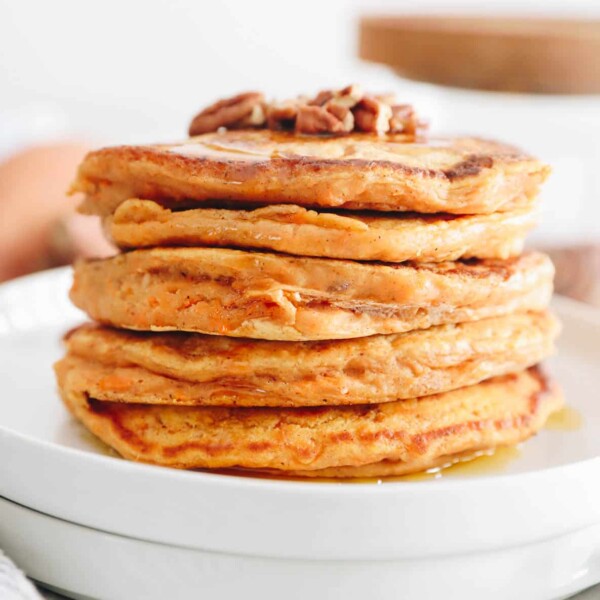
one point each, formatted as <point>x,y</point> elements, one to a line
<point>50,464</point>
<point>85,563</point>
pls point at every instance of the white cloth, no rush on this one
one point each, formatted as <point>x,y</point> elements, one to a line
<point>13,583</point>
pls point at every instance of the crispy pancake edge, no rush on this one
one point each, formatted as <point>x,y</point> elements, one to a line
<point>195,370</point>
<point>500,411</point>
<point>484,177</point>
<point>295,230</point>
<point>279,297</point>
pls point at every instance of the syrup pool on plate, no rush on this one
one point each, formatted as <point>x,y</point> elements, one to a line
<point>565,419</point>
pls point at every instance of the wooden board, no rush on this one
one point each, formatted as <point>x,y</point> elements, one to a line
<point>534,55</point>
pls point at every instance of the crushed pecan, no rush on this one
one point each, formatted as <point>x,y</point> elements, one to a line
<point>342,113</point>
<point>372,115</point>
<point>239,112</point>
<point>282,116</point>
<point>329,112</point>
<point>316,116</point>
<point>317,119</point>
<point>349,96</point>
<point>321,98</point>
<point>404,119</point>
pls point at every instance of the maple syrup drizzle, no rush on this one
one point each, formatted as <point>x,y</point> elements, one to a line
<point>565,419</point>
<point>482,463</point>
<point>471,465</point>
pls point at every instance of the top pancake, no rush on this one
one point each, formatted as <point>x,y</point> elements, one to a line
<point>355,171</point>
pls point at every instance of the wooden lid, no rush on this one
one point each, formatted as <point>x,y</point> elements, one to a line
<point>535,55</point>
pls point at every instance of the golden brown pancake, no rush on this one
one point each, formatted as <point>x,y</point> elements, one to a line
<point>272,296</point>
<point>195,369</point>
<point>296,230</point>
<point>499,411</point>
<point>355,171</point>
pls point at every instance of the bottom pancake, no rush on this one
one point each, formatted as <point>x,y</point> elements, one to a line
<point>325,441</point>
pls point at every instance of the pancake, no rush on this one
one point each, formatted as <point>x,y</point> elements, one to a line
<point>295,230</point>
<point>195,369</point>
<point>499,411</point>
<point>279,297</point>
<point>354,171</point>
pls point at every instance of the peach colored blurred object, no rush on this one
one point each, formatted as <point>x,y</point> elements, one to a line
<point>38,225</point>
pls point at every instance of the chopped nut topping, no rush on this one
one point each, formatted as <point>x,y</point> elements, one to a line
<point>317,119</point>
<point>257,117</point>
<point>282,116</point>
<point>404,119</point>
<point>329,112</point>
<point>239,112</point>
<point>372,115</point>
<point>342,113</point>
<point>350,96</point>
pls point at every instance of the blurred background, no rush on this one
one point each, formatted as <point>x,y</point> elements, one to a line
<point>76,75</point>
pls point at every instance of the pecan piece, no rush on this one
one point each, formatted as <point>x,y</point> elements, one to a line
<point>404,119</point>
<point>282,116</point>
<point>372,115</point>
<point>321,98</point>
<point>350,96</point>
<point>317,119</point>
<point>342,113</point>
<point>243,110</point>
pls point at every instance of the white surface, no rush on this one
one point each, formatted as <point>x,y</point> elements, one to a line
<point>87,563</point>
<point>51,464</point>
<point>13,583</point>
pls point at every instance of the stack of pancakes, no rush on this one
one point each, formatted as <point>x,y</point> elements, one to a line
<point>312,305</point>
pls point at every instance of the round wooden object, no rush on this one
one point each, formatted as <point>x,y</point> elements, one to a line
<point>533,55</point>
